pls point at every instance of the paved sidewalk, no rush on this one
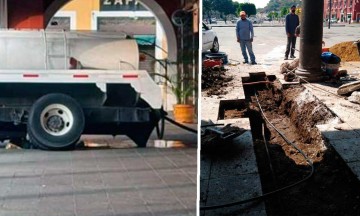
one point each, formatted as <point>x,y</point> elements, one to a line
<point>100,182</point>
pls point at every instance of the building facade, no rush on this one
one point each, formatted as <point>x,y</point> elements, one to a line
<point>342,10</point>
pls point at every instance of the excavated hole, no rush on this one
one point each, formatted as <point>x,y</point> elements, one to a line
<point>333,189</point>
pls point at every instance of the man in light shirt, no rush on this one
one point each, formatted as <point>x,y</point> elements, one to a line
<point>245,36</point>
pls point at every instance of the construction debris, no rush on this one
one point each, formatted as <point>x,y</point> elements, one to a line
<point>355,97</point>
<point>347,51</point>
<point>288,69</point>
<point>348,88</point>
<point>12,146</point>
<point>286,66</point>
<point>214,137</point>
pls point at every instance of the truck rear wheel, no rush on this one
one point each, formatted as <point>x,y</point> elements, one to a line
<point>56,122</point>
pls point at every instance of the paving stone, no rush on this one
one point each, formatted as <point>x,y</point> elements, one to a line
<point>203,192</point>
<point>95,212</point>
<point>131,210</point>
<point>174,176</point>
<point>242,159</point>
<point>59,183</point>
<point>17,213</point>
<point>159,163</point>
<point>173,209</point>
<point>355,167</point>
<point>116,179</point>
<point>232,189</point>
<point>57,204</point>
<point>145,178</point>
<point>349,149</point>
<point>53,178</point>
<point>91,201</point>
<point>330,132</point>
<point>87,179</point>
<point>187,196</point>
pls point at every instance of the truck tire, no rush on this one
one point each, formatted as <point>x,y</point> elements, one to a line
<point>56,122</point>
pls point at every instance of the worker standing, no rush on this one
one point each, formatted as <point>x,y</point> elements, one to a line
<point>245,35</point>
<point>291,22</point>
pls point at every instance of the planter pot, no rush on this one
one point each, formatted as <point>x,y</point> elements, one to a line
<point>184,113</point>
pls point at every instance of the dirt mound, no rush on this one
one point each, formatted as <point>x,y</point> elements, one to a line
<point>213,81</point>
<point>347,51</point>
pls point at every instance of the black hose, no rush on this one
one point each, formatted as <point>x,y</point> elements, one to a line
<point>180,125</point>
<point>275,191</point>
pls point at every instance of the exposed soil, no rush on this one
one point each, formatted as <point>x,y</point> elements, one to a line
<point>347,51</point>
<point>333,189</point>
<point>230,114</point>
<point>213,80</point>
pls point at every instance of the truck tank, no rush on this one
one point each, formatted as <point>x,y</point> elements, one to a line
<point>58,50</point>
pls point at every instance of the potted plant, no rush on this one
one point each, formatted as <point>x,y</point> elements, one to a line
<point>182,89</point>
<point>183,111</point>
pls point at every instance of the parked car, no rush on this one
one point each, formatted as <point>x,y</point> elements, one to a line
<point>333,20</point>
<point>254,19</point>
<point>213,20</point>
<point>209,39</point>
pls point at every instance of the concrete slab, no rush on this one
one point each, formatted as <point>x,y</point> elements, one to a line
<point>231,177</point>
<point>349,149</point>
<point>337,132</point>
<point>355,167</point>
<point>232,189</point>
<point>242,160</point>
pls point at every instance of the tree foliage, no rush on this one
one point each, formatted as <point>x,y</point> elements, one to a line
<point>284,11</point>
<point>276,5</point>
<point>224,7</point>
<point>249,8</point>
<point>273,15</point>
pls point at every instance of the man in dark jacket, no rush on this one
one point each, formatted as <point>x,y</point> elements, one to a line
<point>291,22</point>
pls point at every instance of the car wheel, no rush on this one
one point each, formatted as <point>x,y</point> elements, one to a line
<point>215,47</point>
<point>56,122</point>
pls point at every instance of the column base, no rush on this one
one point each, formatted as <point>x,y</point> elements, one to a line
<point>310,75</point>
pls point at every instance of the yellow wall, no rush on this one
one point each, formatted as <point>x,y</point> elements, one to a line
<point>83,9</point>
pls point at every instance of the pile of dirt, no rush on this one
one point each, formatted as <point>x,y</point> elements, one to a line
<point>347,51</point>
<point>213,81</point>
<point>333,189</point>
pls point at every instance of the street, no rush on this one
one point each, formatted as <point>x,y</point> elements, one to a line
<point>270,42</point>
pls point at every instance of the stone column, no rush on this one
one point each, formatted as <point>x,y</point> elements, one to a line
<point>311,40</point>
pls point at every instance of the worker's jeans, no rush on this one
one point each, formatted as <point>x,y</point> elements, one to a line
<point>246,44</point>
<point>291,42</point>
